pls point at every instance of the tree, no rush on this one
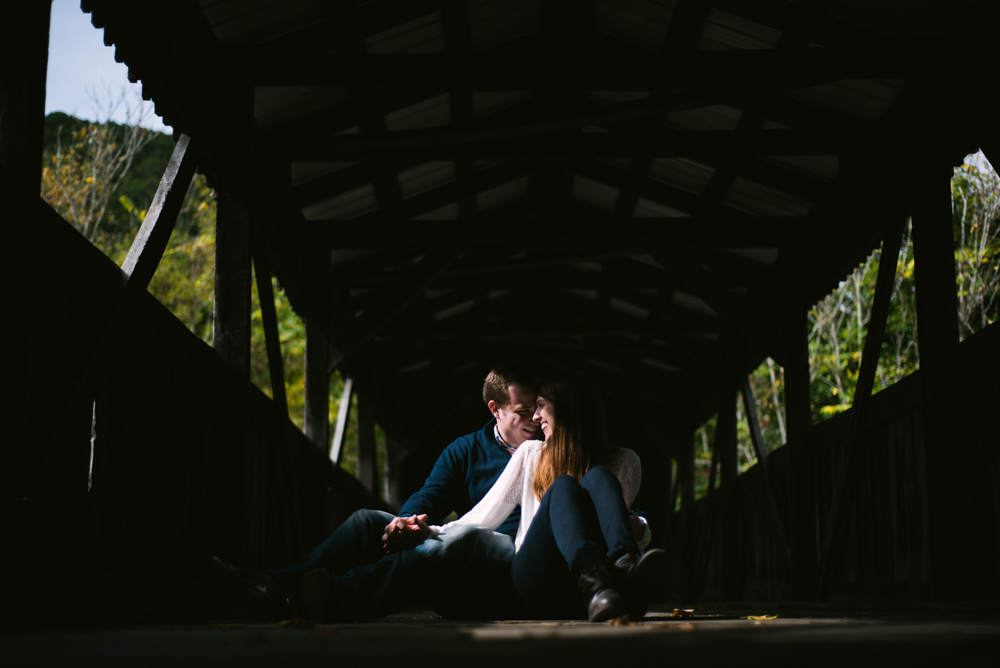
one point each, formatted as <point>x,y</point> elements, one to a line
<point>975,192</point>
<point>81,175</point>
<point>839,322</point>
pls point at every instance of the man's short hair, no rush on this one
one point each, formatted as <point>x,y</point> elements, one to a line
<point>504,375</point>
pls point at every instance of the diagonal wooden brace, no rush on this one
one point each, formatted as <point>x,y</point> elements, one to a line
<point>151,241</point>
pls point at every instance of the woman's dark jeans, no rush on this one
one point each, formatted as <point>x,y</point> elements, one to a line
<point>576,522</point>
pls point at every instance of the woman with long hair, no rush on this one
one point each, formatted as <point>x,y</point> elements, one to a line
<point>575,536</point>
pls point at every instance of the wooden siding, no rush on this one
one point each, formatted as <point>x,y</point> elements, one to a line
<point>189,460</point>
<point>887,555</point>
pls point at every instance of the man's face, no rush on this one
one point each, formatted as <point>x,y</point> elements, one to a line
<point>515,421</point>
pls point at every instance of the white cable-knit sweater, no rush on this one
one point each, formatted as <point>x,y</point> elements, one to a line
<point>513,488</point>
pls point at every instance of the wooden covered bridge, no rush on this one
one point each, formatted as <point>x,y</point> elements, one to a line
<point>652,191</point>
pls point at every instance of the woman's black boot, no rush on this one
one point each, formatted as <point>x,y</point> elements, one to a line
<point>645,579</point>
<point>599,594</point>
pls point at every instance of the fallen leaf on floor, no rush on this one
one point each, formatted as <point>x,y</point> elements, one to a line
<point>761,617</point>
<point>293,624</point>
<point>619,621</point>
<point>682,612</point>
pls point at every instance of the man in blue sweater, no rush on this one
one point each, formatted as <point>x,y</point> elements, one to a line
<point>362,571</point>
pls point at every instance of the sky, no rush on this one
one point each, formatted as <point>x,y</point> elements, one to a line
<point>79,62</point>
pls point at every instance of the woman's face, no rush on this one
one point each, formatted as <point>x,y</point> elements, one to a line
<point>545,415</point>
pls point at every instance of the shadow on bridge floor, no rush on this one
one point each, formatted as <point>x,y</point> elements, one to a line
<point>774,637</point>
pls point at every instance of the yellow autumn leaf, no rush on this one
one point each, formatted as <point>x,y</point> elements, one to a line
<point>762,616</point>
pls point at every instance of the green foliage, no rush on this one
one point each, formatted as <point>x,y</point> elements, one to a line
<point>83,168</point>
<point>292,335</point>
<point>105,192</point>
<point>976,209</point>
<point>839,322</point>
<point>839,325</point>
<point>184,281</point>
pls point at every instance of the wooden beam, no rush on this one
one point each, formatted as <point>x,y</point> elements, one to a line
<point>441,196</point>
<point>577,226</point>
<point>359,330</point>
<point>726,445</point>
<point>275,364</point>
<point>231,298</point>
<point>573,69</point>
<point>458,40</point>
<point>367,451</point>
<point>135,273</point>
<point>198,91</point>
<point>154,234</point>
<point>802,518</point>
<point>317,384</point>
<point>835,538</point>
<point>760,449</point>
<point>346,26</point>
<point>785,16</point>
<point>24,48</point>
<point>529,143</point>
<point>343,417</point>
<point>344,180</point>
<point>951,539</point>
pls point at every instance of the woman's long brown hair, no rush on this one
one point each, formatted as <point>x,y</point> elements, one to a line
<point>579,437</point>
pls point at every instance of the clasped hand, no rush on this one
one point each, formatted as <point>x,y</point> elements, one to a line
<point>404,532</point>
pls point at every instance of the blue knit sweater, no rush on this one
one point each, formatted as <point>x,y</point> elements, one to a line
<point>462,475</point>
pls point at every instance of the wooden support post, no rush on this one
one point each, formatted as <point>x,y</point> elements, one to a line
<point>367,455</point>
<point>24,46</point>
<point>231,310</point>
<point>685,473</point>
<point>851,460</point>
<point>393,457</point>
<point>147,247</point>
<point>343,416</point>
<point>684,550</point>
<point>750,410</point>
<point>753,424</point>
<point>318,348</point>
<point>802,518</point>
<point>151,241</point>
<point>275,365</point>
<point>713,471</point>
<point>725,444</point>
<point>937,329</point>
<point>317,381</point>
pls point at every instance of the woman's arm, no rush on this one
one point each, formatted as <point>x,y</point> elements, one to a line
<point>503,497</point>
<point>624,464</point>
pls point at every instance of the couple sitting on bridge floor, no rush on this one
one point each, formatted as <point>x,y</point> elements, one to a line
<point>547,531</point>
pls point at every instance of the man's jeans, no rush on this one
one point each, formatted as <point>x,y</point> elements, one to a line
<point>463,572</point>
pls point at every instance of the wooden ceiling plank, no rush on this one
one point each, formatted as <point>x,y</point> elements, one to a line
<point>346,27</point>
<point>594,230</point>
<point>524,143</point>
<point>570,70</point>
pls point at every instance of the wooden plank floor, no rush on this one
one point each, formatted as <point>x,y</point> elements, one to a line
<point>418,638</point>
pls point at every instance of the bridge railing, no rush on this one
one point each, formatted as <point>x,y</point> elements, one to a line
<point>151,452</point>
<point>887,554</point>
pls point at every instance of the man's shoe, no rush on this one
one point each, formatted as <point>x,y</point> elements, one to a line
<point>599,594</point>
<point>314,593</point>
<point>257,589</point>
<point>645,579</point>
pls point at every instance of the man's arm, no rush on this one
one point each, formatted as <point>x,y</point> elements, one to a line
<point>435,500</point>
<point>444,486</point>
